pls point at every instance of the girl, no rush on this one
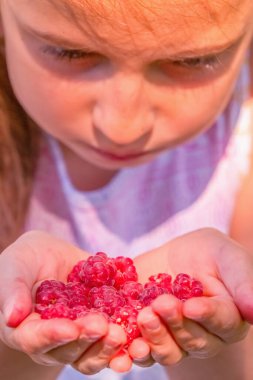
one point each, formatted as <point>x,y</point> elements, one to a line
<point>121,129</point>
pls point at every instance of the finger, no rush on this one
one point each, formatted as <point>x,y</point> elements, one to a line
<point>232,263</point>
<point>17,278</point>
<point>121,362</point>
<point>139,351</point>
<point>139,348</point>
<point>70,352</point>
<point>239,282</point>
<point>35,336</point>
<point>189,335</point>
<point>15,294</point>
<point>93,327</point>
<point>101,353</point>
<point>219,316</point>
<point>164,349</point>
<point>235,268</point>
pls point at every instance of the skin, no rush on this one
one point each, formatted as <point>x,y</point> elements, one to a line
<point>128,99</point>
<point>135,96</point>
<point>200,328</point>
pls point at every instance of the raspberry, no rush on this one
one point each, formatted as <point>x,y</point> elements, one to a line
<point>132,290</point>
<point>106,299</point>
<point>97,271</point>
<point>126,317</point>
<point>151,291</point>
<point>109,287</point>
<point>57,310</point>
<point>126,271</point>
<point>185,287</point>
<point>163,280</point>
<point>78,311</point>
<point>77,294</point>
<point>51,292</point>
<point>74,276</point>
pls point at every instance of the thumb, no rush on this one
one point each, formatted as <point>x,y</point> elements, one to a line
<point>15,289</point>
<point>235,266</point>
<point>15,302</point>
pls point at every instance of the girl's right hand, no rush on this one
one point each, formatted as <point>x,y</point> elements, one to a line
<point>88,343</point>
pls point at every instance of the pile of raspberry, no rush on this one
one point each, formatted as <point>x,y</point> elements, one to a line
<point>109,286</point>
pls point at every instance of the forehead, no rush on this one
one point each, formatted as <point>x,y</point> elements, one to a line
<point>141,23</point>
<point>148,12</point>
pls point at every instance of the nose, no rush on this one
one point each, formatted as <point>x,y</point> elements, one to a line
<point>122,113</point>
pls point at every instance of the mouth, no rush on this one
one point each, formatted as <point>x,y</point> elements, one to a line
<point>120,157</point>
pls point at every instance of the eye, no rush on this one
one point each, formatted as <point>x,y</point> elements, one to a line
<point>67,54</point>
<point>207,62</point>
<point>192,69</point>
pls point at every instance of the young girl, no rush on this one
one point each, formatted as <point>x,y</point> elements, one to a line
<point>123,126</point>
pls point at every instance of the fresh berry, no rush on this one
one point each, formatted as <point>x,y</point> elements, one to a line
<point>57,310</point>
<point>106,299</point>
<point>163,280</point>
<point>126,317</point>
<point>185,287</point>
<point>151,291</point>
<point>132,290</point>
<point>109,286</point>
<point>78,294</point>
<point>126,271</point>
<point>74,275</point>
<point>51,292</point>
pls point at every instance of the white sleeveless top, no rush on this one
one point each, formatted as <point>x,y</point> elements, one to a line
<point>183,189</point>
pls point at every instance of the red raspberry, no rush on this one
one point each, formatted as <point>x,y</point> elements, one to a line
<point>106,299</point>
<point>126,317</point>
<point>51,292</point>
<point>126,271</point>
<point>151,291</point>
<point>78,311</point>
<point>74,274</point>
<point>102,255</point>
<point>95,273</point>
<point>77,294</point>
<point>132,290</point>
<point>57,310</point>
<point>109,287</point>
<point>185,287</point>
<point>163,280</point>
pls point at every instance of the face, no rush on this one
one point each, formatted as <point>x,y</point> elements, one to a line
<point>118,84</point>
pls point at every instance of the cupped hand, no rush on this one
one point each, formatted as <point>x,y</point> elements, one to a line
<point>199,327</point>
<point>34,257</point>
<point>88,343</point>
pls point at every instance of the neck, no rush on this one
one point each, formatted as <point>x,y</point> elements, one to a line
<point>83,175</point>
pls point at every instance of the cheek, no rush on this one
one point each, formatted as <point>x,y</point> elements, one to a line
<point>48,99</point>
<point>187,113</point>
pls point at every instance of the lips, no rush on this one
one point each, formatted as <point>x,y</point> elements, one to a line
<point>117,156</point>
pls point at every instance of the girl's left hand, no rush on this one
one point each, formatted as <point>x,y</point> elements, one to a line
<point>199,327</point>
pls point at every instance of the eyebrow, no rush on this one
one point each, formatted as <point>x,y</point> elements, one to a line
<point>198,52</point>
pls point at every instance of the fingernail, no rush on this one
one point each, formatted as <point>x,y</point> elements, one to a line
<point>108,348</point>
<point>172,315</point>
<point>67,340</point>
<point>12,315</point>
<point>90,338</point>
<point>152,324</point>
<point>142,360</point>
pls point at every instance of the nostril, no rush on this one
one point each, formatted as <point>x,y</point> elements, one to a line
<point>117,140</point>
<point>114,127</point>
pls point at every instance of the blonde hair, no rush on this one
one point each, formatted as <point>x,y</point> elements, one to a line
<point>19,145</point>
